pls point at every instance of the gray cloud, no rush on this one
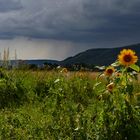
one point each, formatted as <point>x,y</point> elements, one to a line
<point>72,20</point>
<point>9,5</point>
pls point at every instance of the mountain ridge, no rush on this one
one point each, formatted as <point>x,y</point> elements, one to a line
<point>99,56</point>
<point>94,56</point>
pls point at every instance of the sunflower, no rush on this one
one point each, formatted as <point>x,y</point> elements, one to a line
<point>118,74</point>
<point>110,87</point>
<point>127,57</point>
<point>109,71</point>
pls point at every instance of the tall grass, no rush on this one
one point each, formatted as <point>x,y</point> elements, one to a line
<point>64,106</point>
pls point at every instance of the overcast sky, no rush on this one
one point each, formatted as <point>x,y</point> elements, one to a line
<point>56,29</point>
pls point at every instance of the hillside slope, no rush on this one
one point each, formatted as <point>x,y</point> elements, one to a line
<point>99,56</point>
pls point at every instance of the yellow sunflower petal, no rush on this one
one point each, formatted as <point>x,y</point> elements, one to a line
<point>127,57</point>
<point>109,71</point>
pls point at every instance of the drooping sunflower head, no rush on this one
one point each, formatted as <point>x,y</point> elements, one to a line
<point>109,71</point>
<point>127,57</point>
<point>110,87</point>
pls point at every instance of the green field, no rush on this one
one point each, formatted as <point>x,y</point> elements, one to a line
<point>42,105</point>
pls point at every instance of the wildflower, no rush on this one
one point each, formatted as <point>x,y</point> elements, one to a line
<point>109,71</point>
<point>127,57</point>
<point>110,87</point>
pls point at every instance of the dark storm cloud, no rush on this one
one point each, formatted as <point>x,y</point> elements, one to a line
<point>74,20</point>
<point>8,5</point>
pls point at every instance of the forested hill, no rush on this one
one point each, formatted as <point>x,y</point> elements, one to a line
<point>99,56</point>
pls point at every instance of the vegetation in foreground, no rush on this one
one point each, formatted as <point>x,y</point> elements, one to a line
<point>72,106</point>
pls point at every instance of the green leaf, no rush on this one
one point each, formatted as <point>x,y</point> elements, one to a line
<point>115,64</point>
<point>97,84</point>
<point>100,67</point>
<point>129,89</point>
<point>135,67</point>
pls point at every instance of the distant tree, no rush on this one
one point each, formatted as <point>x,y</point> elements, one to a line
<point>32,66</point>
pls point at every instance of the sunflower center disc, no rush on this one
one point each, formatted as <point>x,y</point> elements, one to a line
<point>127,58</point>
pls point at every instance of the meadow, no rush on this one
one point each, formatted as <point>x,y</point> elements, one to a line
<point>62,105</point>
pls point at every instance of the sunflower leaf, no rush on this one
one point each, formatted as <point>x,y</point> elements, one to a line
<point>100,67</point>
<point>135,67</point>
<point>115,64</point>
